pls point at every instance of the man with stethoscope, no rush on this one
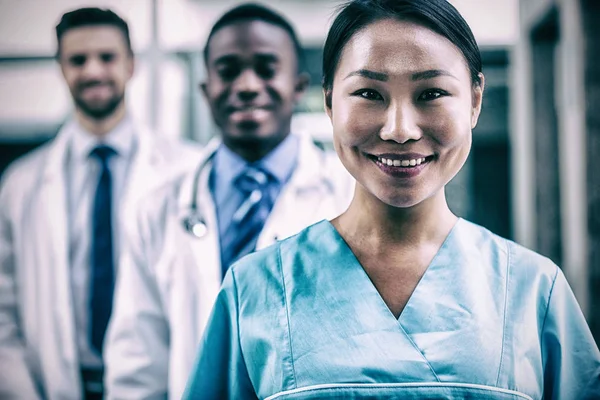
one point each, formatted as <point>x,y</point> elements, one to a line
<point>257,185</point>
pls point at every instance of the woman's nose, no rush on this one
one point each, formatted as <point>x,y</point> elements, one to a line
<point>400,125</point>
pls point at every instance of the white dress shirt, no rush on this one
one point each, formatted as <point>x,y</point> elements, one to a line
<point>83,173</point>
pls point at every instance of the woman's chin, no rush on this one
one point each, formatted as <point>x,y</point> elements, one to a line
<point>404,198</point>
<point>397,200</point>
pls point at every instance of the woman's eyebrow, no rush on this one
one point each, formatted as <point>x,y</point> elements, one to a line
<point>365,73</point>
<point>416,76</point>
<point>430,74</point>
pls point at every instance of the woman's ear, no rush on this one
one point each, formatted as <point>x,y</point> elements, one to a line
<point>477,100</point>
<point>327,101</point>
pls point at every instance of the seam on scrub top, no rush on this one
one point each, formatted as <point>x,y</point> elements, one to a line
<point>328,387</point>
<point>547,310</point>
<point>237,321</point>
<point>504,330</point>
<point>435,257</point>
<point>287,313</point>
<point>420,351</point>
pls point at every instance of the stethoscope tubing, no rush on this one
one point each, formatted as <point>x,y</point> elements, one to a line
<point>195,223</point>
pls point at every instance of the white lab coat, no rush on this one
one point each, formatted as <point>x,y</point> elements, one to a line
<point>170,278</point>
<point>38,348</point>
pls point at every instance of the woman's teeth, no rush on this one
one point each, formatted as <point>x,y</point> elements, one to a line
<point>400,163</point>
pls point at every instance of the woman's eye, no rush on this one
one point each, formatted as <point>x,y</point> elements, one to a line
<point>432,94</point>
<point>368,94</point>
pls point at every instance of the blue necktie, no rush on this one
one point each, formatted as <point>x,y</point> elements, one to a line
<point>102,261</point>
<point>242,234</point>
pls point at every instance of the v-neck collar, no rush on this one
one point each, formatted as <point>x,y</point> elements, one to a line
<point>416,296</point>
<point>340,328</point>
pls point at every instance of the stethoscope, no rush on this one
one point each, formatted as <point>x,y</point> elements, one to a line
<point>194,222</point>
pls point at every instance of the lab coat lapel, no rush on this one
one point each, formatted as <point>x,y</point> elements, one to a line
<point>143,170</point>
<point>301,199</point>
<point>49,232</point>
<point>207,250</point>
<point>200,256</point>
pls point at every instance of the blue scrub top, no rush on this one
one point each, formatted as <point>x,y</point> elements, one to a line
<point>489,319</point>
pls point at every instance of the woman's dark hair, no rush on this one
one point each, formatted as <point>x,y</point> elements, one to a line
<point>84,17</point>
<point>437,15</point>
<point>255,12</point>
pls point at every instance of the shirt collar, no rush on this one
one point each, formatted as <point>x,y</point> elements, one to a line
<point>279,163</point>
<point>121,139</point>
<point>227,165</point>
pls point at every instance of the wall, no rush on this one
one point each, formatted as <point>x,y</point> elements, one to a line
<point>26,26</point>
<point>35,93</point>
<point>570,112</point>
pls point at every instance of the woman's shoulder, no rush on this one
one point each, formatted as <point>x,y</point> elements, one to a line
<point>519,261</point>
<point>267,265</point>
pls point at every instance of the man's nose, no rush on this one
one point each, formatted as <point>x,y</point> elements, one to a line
<point>94,68</point>
<point>248,85</point>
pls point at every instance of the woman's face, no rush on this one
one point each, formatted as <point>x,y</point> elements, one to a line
<point>402,109</point>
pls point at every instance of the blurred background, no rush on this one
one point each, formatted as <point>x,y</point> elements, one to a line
<point>534,172</point>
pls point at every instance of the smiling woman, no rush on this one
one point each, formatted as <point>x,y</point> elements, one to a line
<point>421,107</point>
<point>398,297</point>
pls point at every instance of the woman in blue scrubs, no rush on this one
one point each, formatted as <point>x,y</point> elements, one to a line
<point>398,297</point>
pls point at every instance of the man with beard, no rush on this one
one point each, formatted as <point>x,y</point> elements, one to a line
<point>258,183</point>
<point>61,208</point>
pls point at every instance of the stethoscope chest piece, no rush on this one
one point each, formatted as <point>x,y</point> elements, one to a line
<point>195,225</point>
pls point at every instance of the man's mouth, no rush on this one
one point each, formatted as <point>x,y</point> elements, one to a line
<point>247,108</point>
<point>91,85</point>
<point>96,89</point>
<point>244,114</point>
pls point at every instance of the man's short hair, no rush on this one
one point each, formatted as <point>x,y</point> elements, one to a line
<point>255,12</point>
<point>91,16</point>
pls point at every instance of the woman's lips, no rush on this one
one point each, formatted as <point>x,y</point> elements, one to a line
<point>401,165</point>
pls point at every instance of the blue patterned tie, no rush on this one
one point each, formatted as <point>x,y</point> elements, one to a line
<point>102,261</point>
<point>242,234</point>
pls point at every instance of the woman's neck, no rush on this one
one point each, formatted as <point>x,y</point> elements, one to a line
<point>371,221</point>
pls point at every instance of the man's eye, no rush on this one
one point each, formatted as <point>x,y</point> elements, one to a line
<point>368,94</point>
<point>78,61</point>
<point>265,71</point>
<point>107,57</point>
<point>432,94</point>
<point>228,73</point>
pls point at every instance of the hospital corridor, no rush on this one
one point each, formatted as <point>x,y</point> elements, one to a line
<point>299,199</point>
